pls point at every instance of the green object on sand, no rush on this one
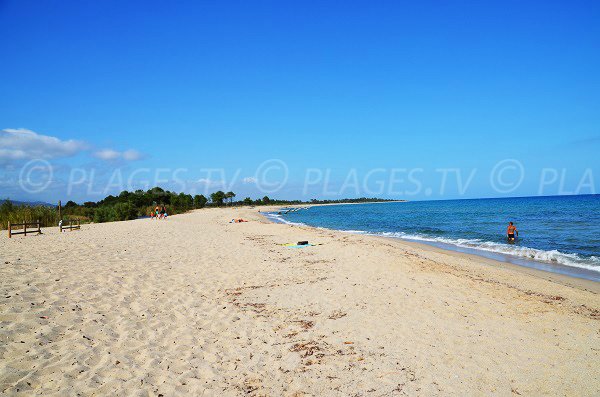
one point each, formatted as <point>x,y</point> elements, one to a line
<point>299,246</point>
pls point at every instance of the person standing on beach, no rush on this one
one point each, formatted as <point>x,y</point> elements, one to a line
<point>511,231</point>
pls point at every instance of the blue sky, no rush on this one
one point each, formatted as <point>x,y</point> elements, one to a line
<point>339,87</point>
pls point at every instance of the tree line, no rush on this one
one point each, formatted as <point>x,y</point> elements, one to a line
<point>132,205</point>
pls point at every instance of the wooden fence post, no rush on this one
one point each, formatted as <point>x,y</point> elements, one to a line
<point>39,227</point>
<point>9,230</point>
<point>24,228</point>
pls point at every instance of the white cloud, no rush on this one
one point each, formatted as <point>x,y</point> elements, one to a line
<point>23,144</point>
<point>107,154</point>
<point>131,155</point>
<point>112,155</point>
<point>209,182</point>
<point>249,179</point>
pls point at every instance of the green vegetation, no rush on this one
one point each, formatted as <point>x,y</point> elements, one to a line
<point>125,206</point>
<point>217,198</point>
<point>132,205</point>
<point>19,213</point>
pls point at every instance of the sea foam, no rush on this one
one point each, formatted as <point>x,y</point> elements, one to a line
<point>553,256</point>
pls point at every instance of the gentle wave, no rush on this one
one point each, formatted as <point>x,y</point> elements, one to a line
<point>554,256</point>
<point>280,219</point>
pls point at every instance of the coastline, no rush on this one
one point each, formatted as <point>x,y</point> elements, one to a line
<point>538,267</point>
<point>196,304</point>
<point>563,279</point>
<point>566,280</point>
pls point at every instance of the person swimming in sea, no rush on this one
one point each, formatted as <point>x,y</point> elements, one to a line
<point>511,232</point>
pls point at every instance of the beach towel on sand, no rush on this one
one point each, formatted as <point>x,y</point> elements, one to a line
<point>298,246</point>
<point>292,245</point>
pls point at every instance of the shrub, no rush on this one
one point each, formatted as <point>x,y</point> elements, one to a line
<point>124,211</point>
<point>103,214</point>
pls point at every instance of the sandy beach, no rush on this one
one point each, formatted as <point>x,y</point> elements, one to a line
<point>196,305</point>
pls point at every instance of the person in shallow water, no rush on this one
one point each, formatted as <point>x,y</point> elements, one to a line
<point>511,232</point>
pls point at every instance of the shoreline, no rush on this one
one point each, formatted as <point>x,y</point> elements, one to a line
<point>559,278</point>
<point>195,304</point>
<point>571,272</point>
<point>563,279</point>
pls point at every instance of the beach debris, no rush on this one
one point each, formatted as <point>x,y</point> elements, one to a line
<point>545,296</point>
<point>337,314</point>
<point>238,290</point>
<point>305,324</point>
<point>255,307</point>
<point>591,312</point>
<point>306,349</point>
<point>348,343</point>
<point>252,385</point>
<point>44,317</point>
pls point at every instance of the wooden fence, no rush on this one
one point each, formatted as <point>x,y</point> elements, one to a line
<point>71,227</point>
<point>35,224</point>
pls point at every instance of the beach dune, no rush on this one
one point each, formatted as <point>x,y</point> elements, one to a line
<point>196,305</point>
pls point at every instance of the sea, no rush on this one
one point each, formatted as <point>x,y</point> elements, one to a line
<point>559,234</point>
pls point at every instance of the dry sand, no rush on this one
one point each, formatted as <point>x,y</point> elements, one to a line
<point>197,306</point>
